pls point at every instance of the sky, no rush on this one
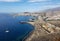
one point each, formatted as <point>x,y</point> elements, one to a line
<point>16,6</point>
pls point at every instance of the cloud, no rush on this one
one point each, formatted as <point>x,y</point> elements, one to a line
<point>38,0</point>
<point>10,0</point>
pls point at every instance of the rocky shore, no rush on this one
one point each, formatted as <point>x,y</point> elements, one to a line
<point>44,31</point>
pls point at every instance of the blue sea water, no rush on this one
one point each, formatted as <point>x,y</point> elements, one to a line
<point>12,30</point>
<point>25,18</point>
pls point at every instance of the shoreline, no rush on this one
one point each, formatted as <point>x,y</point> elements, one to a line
<point>29,34</point>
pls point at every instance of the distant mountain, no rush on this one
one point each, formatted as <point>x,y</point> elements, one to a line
<point>47,13</point>
<point>54,9</point>
<point>52,12</point>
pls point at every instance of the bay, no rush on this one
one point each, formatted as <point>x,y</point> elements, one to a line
<point>12,30</point>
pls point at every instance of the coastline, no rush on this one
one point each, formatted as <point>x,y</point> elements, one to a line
<point>29,34</point>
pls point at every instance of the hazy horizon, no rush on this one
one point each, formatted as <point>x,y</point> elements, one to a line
<point>16,6</point>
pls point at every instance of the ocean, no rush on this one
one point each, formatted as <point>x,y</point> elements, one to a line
<point>12,30</point>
